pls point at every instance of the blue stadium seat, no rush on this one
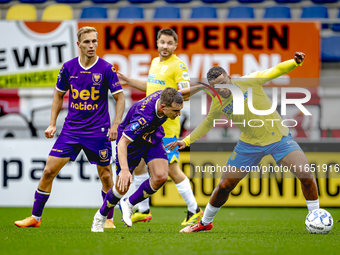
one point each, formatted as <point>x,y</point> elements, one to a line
<point>330,49</point>
<point>94,12</point>
<point>31,1</point>
<point>204,12</point>
<point>324,1</point>
<point>141,1</point>
<point>315,12</point>
<point>250,1</point>
<point>68,1</point>
<point>105,1</point>
<point>178,1</point>
<point>130,12</point>
<point>167,12</point>
<point>4,1</point>
<point>241,12</point>
<point>336,27</point>
<point>287,1</point>
<point>277,12</point>
<point>214,1</point>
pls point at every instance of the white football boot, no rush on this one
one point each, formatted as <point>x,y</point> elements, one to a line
<point>98,222</point>
<point>127,211</point>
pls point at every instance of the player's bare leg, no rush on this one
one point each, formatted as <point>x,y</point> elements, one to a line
<point>298,163</point>
<point>159,170</point>
<point>106,177</point>
<point>219,197</point>
<point>52,168</point>
<point>184,188</point>
<point>143,212</point>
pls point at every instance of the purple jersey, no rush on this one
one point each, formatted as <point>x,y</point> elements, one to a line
<point>142,124</point>
<point>88,114</point>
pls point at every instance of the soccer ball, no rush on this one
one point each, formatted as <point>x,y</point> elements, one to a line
<point>319,221</point>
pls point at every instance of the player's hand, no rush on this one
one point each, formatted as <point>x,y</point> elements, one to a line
<point>123,79</point>
<point>299,57</point>
<point>124,180</point>
<point>113,133</point>
<point>173,145</point>
<point>50,131</point>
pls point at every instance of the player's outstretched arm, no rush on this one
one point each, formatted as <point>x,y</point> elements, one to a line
<point>125,177</point>
<point>192,90</point>
<point>280,69</point>
<point>125,80</point>
<point>173,145</point>
<point>57,104</point>
<point>120,106</point>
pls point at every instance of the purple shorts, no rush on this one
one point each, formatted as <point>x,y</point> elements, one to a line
<point>98,150</point>
<point>148,152</point>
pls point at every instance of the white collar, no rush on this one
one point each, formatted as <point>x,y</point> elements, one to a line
<point>87,68</point>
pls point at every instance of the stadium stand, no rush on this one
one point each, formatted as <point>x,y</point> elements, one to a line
<point>214,1</point>
<point>141,1</point>
<point>105,1</point>
<point>336,26</point>
<point>330,49</point>
<point>167,12</point>
<point>204,12</point>
<point>241,12</point>
<point>324,1</point>
<point>178,1</point>
<point>94,12</point>
<point>57,12</point>
<point>130,12</point>
<point>32,1</point>
<point>250,1</point>
<point>68,1</point>
<point>315,12</point>
<point>287,1</point>
<point>22,12</point>
<point>277,12</point>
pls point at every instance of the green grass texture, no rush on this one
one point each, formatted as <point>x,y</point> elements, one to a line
<point>236,231</point>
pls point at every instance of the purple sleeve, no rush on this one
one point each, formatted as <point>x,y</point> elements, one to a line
<point>113,81</point>
<point>62,82</point>
<point>135,127</point>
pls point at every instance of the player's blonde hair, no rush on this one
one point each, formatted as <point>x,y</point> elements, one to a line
<point>84,30</point>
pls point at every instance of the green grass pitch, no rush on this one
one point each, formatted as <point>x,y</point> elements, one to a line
<point>236,231</point>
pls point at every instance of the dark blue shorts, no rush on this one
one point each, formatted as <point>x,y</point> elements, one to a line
<point>146,151</point>
<point>97,150</point>
<point>247,155</point>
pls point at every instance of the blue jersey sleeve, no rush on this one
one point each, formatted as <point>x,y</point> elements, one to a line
<point>62,82</point>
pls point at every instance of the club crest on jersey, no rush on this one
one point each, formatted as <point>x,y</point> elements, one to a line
<point>182,66</point>
<point>96,78</point>
<point>103,154</point>
<point>163,69</point>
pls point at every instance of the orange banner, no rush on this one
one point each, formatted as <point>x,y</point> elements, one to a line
<point>239,47</point>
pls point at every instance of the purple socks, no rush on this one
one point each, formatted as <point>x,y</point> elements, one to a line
<point>40,199</point>
<point>144,191</point>
<point>110,214</point>
<point>109,203</point>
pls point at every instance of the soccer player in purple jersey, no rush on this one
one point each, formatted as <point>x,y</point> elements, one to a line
<point>140,137</point>
<point>87,125</point>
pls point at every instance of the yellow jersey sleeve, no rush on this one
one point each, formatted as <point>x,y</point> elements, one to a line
<point>181,75</point>
<point>261,77</point>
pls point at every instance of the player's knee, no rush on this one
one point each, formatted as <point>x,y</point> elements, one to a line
<point>160,179</point>
<point>49,172</point>
<point>106,177</point>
